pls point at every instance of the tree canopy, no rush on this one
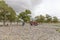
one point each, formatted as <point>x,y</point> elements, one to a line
<point>6,12</point>
<point>47,18</point>
<point>25,16</point>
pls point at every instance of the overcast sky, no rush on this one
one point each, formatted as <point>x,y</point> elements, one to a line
<point>51,7</point>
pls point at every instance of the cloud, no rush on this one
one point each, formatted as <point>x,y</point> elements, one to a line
<point>51,7</point>
<point>20,5</point>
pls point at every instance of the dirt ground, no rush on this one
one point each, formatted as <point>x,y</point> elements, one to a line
<point>27,32</point>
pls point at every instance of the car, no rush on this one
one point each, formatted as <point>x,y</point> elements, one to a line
<point>33,23</point>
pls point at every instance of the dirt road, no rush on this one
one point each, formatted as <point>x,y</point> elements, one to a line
<point>27,32</point>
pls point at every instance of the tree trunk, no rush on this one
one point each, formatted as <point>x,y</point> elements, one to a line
<point>4,23</point>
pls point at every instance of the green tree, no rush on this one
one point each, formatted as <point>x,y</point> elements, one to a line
<point>3,11</point>
<point>3,15</point>
<point>18,19</point>
<point>37,18</point>
<point>6,12</point>
<point>3,5</point>
<point>12,15</point>
<point>40,18</point>
<point>55,19</point>
<point>25,16</point>
<point>48,18</point>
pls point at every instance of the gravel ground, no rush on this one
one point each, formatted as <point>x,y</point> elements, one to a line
<point>27,32</point>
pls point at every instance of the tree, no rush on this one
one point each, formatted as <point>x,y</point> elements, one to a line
<point>3,4</point>
<point>25,16</point>
<point>3,11</point>
<point>48,18</point>
<point>55,19</point>
<point>6,12</point>
<point>12,15</point>
<point>17,19</point>
<point>3,15</point>
<point>40,18</point>
<point>37,18</point>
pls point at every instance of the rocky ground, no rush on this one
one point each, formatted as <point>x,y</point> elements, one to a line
<point>27,32</point>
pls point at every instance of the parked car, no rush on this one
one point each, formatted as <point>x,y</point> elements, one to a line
<point>33,23</point>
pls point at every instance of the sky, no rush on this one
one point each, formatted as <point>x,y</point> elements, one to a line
<point>37,7</point>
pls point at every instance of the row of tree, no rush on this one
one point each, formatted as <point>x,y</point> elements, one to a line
<point>46,19</point>
<point>7,14</point>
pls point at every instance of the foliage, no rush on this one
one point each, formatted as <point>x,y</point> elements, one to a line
<point>40,18</point>
<point>25,16</point>
<point>12,15</point>
<point>6,13</point>
<point>48,18</point>
<point>55,19</point>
